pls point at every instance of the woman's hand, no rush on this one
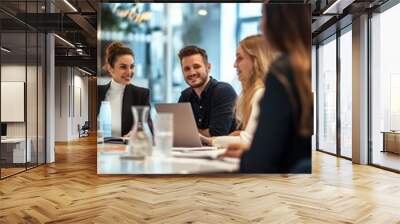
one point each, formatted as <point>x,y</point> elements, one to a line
<point>235,133</point>
<point>235,150</point>
<point>127,135</point>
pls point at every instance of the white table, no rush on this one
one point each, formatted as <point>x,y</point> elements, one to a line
<point>111,161</point>
<point>18,150</point>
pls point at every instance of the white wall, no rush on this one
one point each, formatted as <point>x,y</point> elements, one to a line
<point>61,103</point>
<point>80,109</point>
<point>71,102</point>
<point>14,73</point>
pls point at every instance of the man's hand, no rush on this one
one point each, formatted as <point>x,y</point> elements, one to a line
<point>205,132</point>
<point>235,150</point>
<point>206,140</point>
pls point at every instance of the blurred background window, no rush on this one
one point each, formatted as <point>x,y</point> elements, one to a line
<point>157,31</point>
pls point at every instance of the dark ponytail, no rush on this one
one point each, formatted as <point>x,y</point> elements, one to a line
<point>114,50</point>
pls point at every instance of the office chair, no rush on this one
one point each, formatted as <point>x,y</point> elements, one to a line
<point>84,130</point>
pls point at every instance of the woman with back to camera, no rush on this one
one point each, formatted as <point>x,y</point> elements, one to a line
<point>252,61</point>
<point>282,141</point>
<point>121,94</point>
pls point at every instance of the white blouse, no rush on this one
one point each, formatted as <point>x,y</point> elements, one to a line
<point>246,136</point>
<point>114,95</point>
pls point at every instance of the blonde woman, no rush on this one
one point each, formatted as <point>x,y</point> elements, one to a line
<point>252,61</point>
<point>282,139</point>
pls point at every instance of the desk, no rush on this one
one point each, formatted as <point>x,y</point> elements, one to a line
<point>15,148</point>
<point>391,141</point>
<point>110,161</point>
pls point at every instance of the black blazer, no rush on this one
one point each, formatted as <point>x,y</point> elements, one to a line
<point>133,96</point>
<point>277,146</point>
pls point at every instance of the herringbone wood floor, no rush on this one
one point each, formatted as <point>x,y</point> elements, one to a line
<point>70,191</point>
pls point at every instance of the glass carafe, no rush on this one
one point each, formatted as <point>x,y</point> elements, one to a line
<point>141,140</point>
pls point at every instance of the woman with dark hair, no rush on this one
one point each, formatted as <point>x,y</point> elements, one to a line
<point>110,47</point>
<point>121,94</point>
<point>282,141</point>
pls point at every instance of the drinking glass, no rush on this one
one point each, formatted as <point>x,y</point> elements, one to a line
<point>163,133</point>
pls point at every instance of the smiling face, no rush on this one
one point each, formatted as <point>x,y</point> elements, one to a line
<point>243,65</point>
<point>195,70</point>
<point>123,69</point>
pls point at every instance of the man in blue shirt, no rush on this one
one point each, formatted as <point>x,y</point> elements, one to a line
<point>212,102</point>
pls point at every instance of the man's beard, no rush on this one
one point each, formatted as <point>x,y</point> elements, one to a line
<point>200,84</point>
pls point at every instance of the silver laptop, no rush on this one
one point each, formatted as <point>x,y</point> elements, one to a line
<point>185,129</point>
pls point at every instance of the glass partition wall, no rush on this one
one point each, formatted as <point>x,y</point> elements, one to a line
<point>345,65</point>
<point>385,89</point>
<point>334,90</point>
<point>334,94</point>
<point>327,95</point>
<point>22,77</point>
<point>13,86</point>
